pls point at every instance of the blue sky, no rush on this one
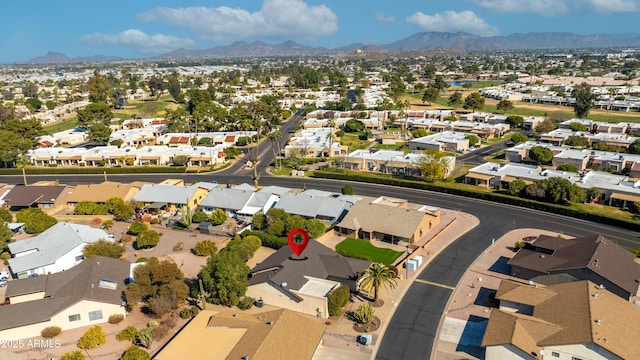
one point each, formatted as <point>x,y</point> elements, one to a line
<point>143,28</point>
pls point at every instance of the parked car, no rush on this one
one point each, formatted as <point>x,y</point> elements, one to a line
<point>3,282</point>
<point>4,274</point>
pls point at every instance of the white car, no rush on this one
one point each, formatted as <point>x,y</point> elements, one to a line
<point>4,274</point>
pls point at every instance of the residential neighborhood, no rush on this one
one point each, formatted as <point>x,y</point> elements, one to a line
<point>453,194</point>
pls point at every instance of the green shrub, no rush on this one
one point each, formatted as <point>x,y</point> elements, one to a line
<point>147,239</point>
<point>268,240</point>
<point>135,353</point>
<point>142,259</point>
<point>51,332</point>
<point>116,318</point>
<point>189,312</point>
<point>253,242</point>
<point>73,355</point>
<point>129,333</point>
<point>93,338</point>
<point>205,248</point>
<point>337,299</point>
<point>347,190</point>
<point>137,227</point>
<point>199,216</point>
<point>145,337</point>
<point>246,303</point>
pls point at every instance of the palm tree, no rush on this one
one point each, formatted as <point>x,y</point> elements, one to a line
<point>274,137</point>
<point>375,277</point>
<point>331,136</point>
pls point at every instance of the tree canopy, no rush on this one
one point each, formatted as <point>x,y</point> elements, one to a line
<point>473,101</point>
<point>35,220</point>
<point>159,285</point>
<point>224,278</point>
<point>540,154</point>
<point>584,99</point>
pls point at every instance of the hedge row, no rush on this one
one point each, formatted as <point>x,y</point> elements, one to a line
<point>495,197</point>
<point>95,170</point>
<point>268,240</point>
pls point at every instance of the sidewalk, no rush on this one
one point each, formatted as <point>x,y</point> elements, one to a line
<point>339,341</point>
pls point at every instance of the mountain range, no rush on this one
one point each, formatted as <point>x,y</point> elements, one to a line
<point>423,41</point>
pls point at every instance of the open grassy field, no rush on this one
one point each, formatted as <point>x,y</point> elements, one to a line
<point>364,247</point>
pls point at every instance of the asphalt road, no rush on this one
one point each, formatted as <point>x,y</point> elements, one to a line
<point>477,157</point>
<point>412,330</point>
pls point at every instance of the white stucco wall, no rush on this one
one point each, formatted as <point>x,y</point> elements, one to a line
<point>62,319</point>
<point>271,296</point>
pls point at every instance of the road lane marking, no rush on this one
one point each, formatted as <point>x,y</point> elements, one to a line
<point>434,284</point>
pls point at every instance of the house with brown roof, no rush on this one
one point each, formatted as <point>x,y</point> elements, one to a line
<point>99,193</point>
<point>575,320</point>
<point>303,283</point>
<point>86,294</point>
<point>594,258</point>
<point>376,221</point>
<point>43,197</point>
<point>228,334</point>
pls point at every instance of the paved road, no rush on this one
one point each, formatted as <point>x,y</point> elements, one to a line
<point>477,157</point>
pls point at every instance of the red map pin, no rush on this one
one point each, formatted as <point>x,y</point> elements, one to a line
<point>298,243</point>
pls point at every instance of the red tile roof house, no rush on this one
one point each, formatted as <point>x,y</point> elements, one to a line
<point>86,294</point>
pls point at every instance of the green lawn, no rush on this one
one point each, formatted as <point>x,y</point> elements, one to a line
<point>61,126</point>
<point>353,142</point>
<point>364,247</point>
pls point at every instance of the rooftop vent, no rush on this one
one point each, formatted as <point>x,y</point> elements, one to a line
<point>270,322</point>
<point>235,315</point>
<point>598,321</point>
<point>284,284</point>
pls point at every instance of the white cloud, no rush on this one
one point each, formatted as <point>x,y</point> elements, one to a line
<point>608,6</point>
<point>144,43</point>
<point>559,7</point>
<point>277,19</point>
<point>451,21</point>
<point>384,18</point>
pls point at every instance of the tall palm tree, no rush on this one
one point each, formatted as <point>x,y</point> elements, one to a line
<point>376,277</point>
<point>330,136</point>
<point>274,137</point>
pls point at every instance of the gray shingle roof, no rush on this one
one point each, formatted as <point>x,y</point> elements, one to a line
<point>166,193</point>
<point>64,289</point>
<point>320,262</point>
<point>224,198</point>
<point>311,206</point>
<point>51,245</point>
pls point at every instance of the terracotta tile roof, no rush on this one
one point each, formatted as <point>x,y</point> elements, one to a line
<point>179,140</point>
<point>230,138</point>
<point>577,313</point>
<point>221,154</point>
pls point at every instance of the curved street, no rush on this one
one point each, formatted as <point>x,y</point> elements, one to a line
<point>414,325</point>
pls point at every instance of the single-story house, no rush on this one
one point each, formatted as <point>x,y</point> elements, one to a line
<point>228,334</point>
<point>313,206</point>
<point>40,196</point>
<point>100,193</point>
<point>594,258</point>
<point>387,223</point>
<point>573,320</point>
<point>59,248</point>
<point>173,197</point>
<point>86,294</point>
<point>303,284</point>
